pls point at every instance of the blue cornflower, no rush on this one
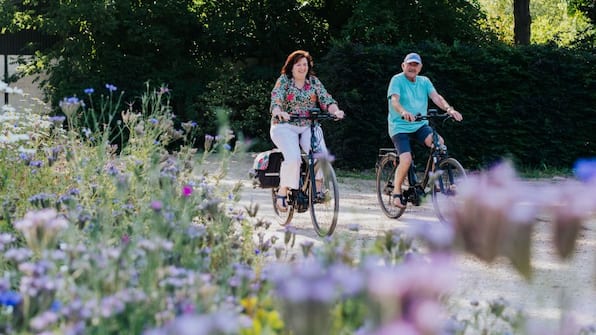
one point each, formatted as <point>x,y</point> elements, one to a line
<point>89,91</point>
<point>56,306</point>
<point>153,120</point>
<point>111,87</point>
<point>585,169</point>
<point>10,298</point>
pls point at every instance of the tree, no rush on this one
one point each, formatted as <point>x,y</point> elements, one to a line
<point>391,22</point>
<point>523,21</point>
<point>125,43</point>
<point>553,21</point>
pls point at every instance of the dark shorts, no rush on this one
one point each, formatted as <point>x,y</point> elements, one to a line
<point>401,141</point>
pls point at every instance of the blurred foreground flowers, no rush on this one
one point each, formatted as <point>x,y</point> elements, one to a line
<point>497,213</point>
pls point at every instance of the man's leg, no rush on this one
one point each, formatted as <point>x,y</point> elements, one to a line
<point>405,160</point>
<point>402,145</point>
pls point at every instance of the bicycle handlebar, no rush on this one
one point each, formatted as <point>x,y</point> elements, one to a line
<point>434,115</point>
<point>313,114</point>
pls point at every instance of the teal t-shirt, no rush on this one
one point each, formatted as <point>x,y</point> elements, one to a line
<point>413,96</point>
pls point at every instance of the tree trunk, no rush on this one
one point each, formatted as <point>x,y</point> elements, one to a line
<point>521,15</point>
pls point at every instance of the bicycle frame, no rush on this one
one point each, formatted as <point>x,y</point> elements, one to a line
<point>308,181</point>
<point>435,155</point>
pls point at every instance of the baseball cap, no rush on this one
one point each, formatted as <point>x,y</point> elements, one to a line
<point>413,57</point>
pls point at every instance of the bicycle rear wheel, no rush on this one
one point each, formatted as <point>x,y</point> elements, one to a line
<point>283,218</point>
<point>385,176</point>
<point>449,173</point>
<point>324,203</point>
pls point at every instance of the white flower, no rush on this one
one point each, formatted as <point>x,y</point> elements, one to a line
<point>8,109</point>
<point>13,90</point>
<point>27,151</point>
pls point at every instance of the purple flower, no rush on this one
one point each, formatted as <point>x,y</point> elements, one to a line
<point>156,205</point>
<point>111,87</point>
<point>89,91</point>
<point>57,120</point>
<point>187,190</point>
<point>36,164</point>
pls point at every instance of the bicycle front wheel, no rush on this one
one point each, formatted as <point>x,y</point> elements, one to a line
<point>448,174</point>
<point>385,176</point>
<point>324,201</point>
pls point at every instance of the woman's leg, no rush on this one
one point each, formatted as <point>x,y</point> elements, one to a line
<point>286,138</point>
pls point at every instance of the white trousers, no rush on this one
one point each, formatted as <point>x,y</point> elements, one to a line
<point>289,139</point>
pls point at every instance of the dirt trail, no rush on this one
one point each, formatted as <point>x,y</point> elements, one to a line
<point>556,286</point>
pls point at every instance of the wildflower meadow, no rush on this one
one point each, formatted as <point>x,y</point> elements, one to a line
<point>105,229</point>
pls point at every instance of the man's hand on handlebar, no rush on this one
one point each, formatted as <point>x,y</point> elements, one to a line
<point>408,116</point>
<point>455,114</point>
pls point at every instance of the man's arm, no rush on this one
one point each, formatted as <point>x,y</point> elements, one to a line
<point>444,105</point>
<point>400,109</point>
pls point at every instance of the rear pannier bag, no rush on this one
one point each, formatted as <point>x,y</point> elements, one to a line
<point>266,168</point>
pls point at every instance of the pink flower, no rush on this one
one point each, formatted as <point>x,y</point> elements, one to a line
<point>187,190</point>
<point>290,97</point>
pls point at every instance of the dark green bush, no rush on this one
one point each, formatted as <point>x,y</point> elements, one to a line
<point>245,104</point>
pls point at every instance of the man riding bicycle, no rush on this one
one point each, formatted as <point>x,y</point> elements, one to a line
<point>407,96</point>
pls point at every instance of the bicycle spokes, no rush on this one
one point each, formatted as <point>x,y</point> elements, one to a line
<point>385,176</point>
<point>448,175</point>
<point>324,199</point>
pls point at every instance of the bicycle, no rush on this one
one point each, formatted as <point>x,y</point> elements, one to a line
<point>319,194</point>
<point>440,177</point>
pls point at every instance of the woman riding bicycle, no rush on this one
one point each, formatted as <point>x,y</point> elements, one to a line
<point>407,96</point>
<point>296,91</point>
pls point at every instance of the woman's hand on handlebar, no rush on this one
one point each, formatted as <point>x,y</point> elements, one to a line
<point>281,115</point>
<point>339,114</point>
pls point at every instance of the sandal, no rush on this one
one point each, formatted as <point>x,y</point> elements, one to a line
<point>321,195</point>
<point>283,207</point>
<point>399,204</point>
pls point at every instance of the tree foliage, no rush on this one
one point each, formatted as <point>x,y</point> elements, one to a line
<point>561,22</point>
<point>390,22</point>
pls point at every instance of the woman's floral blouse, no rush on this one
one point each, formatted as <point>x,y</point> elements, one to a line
<point>297,101</point>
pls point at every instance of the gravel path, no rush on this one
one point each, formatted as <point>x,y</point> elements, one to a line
<point>556,286</point>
